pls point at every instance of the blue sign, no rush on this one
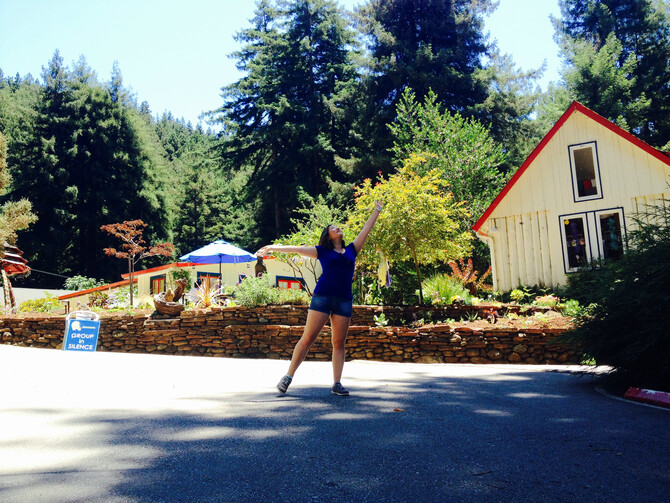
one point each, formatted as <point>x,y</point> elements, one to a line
<point>81,335</point>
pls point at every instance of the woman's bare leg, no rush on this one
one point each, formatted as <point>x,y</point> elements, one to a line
<point>315,322</point>
<point>340,327</point>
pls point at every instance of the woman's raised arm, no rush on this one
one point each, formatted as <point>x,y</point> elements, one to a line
<point>305,251</point>
<point>363,235</point>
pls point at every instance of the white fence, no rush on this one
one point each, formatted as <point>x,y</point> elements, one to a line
<point>24,294</point>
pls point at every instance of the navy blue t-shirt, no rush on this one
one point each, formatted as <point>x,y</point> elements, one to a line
<point>338,272</point>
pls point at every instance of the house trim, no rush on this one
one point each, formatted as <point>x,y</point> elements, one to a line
<point>159,268</point>
<point>102,288</point>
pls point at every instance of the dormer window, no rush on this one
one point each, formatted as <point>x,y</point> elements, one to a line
<point>585,171</point>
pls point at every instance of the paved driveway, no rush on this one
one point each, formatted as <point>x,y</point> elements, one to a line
<point>124,428</point>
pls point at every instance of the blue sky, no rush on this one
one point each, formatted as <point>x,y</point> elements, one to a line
<point>173,53</point>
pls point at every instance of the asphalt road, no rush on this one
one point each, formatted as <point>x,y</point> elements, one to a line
<point>109,427</point>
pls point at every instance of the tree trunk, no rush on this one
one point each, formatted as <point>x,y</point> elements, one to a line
<point>277,210</point>
<point>131,270</point>
<point>418,274</point>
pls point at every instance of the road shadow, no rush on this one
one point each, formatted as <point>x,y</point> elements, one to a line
<point>417,435</point>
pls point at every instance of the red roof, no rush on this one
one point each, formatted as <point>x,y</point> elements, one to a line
<point>159,268</point>
<point>102,288</point>
<point>574,107</point>
<point>12,261</point>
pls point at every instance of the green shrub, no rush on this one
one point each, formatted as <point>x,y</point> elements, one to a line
<point>81,283</point>
<point>99,299</point>
<point>380,320</point>
<point>120,298</point>
<point>177,273</point>
<point>256,291</point>
<point>628,326</point>
<point>517,295</point>
<point>574,309</point>
<point>46,304</point>
<point>291,296</point>
<point>546,301</point>
<point>522,293</point>
<point>443,290</point>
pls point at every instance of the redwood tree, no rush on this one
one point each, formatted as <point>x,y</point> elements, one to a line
<point>134,247</point>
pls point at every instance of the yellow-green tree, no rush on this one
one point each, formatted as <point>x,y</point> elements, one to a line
<point>421,222</point>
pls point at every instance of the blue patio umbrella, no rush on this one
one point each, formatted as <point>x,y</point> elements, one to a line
<point>218,252</point>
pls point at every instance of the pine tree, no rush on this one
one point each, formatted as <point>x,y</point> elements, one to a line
<point>84,162</point>
<point>436,44</point>
<point>283,120</point>
<point>14,215</point>
<point>618,55</point>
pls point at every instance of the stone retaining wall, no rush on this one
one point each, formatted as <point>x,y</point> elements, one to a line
<point>271,332</point>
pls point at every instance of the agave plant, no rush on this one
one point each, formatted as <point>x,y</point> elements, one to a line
<point>207,297</point>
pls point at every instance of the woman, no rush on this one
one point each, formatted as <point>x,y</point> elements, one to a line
<point>332,296</point>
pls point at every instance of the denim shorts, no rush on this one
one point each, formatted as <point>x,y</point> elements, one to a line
<point>330,304</point>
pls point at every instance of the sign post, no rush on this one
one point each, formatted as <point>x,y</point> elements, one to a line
<point>81,331</point>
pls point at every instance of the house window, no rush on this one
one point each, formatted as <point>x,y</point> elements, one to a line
<point>611,235</point>
<point>575,242</point>
<point>585,171</point>
<point>288,283</point>
<point>157,284</point>
<point>208,279</point>
<point>592,235</point>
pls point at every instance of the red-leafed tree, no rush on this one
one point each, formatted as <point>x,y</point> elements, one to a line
<point>134,247</point>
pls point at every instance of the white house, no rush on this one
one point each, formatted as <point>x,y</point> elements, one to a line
<point>571,201</point>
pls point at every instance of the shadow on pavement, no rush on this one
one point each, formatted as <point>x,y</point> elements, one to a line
<point>428,435</point>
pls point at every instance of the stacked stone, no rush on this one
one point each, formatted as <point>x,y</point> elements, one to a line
<point>445,344</point>
<point>33,332</point>
<point>259,333</point>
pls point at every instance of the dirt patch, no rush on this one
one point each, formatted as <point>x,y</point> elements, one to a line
<point>541,320</point>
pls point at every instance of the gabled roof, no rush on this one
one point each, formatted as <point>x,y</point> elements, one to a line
<point>574,107</point>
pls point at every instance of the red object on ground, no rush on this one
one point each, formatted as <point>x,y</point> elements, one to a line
<point>660,398</point>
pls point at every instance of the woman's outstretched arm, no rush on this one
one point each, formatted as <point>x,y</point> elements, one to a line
<point>305,251</point>
<point>363,235</point>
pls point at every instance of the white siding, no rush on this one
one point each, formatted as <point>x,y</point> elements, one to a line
<point>528,244</point>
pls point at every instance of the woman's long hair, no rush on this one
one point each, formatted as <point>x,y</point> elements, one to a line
<point>325,240</point>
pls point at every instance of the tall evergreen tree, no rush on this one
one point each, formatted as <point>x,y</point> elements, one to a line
<point>283,119</point>
<point>509,109</point>
<point>421,44</point>
<point>39,176</point>
<point>618,55</point>
<point>14,215</point>
<point>84,165</point>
